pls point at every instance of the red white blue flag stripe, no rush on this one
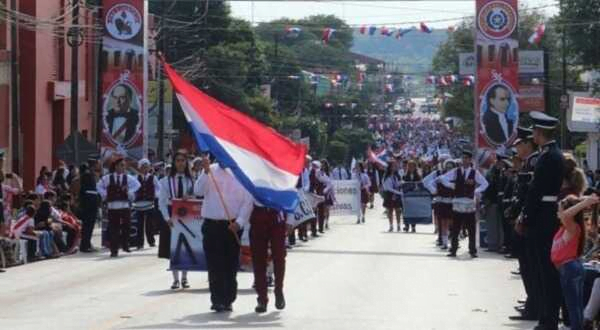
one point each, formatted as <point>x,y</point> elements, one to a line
<point>266,163</point>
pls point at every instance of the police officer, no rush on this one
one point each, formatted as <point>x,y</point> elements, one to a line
<point>527,152</point>
<point>89,202</point>
<point>539,217</point>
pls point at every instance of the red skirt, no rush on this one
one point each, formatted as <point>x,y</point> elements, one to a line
<point>443,210</point>
<point>364,196</point>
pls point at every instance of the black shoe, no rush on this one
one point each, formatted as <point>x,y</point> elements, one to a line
<point>304,239</point>
<point>218,308</point>
<point>521,301</point>
<point>114,254</point>
<point>520,309</point>
<point>140,247</point>
<point>451,254</point>
<point>444,247</point>
<point>175,285</point>
<point>321,231</point>
<point>414,230</point>
<point>515,272</point>
<point>228,308</point>
<point>473,254</point>
<point>279,301</point>
<point>152,244</point>
<point>185,284</point>
<point>315,235</point>
<point>405,229</point>
<point>127,250</point>
<point>523,317</point>
<point>261,308</point>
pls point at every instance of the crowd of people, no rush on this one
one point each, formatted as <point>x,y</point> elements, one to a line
<point>538,207</point>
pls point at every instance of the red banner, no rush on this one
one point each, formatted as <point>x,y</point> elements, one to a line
<point>123,62</point>
<point>497,83</point>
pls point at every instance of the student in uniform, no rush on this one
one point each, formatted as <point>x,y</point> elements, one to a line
<point>118,190</point>
<point>89,202</point>
<point>226,209</point>
<point>467,184</point>
<point>144,203</point>
<point>268,229</point>
<point>365,186</point>
<point>392,196</point>
<point>442,206</point>
<point>178,184</point>
<point>411,176</point>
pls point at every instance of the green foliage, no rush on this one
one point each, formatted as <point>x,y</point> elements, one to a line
<point>583,39</point>
<point>357,139</point>
<point>337,152</point>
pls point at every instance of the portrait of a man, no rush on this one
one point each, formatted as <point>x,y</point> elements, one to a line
<point>122,118</point>
<point>499,115</point>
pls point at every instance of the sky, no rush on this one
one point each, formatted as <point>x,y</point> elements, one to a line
<point>356,13</point>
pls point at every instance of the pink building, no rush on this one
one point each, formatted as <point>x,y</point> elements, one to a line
<point>44,60</point>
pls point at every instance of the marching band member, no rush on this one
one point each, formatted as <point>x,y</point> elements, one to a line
<point>118,190</point>
<point>144,203</point>
<point>226,209</point>
<point>467,184</point>
<point>178,184</point>
<point>392,197</point>
<point>442,202</point>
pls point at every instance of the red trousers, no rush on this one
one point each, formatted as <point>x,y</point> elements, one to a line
<point>119,226</point>
<point>267,231</point>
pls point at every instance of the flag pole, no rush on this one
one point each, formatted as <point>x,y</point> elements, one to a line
<point>210,174</point>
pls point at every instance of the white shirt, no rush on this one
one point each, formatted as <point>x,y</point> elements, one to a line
<point>365,181</point>
<point>390,183</point>
<point>132,186</point>
<point>168,190</point>
<point>339,173</point>
<point>449,178</point>
<point>430,182</point>
<point>237,199</point>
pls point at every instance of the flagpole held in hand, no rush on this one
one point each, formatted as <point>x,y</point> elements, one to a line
<point>210,174</point>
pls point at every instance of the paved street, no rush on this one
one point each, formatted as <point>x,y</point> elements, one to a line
<point>355,277</point>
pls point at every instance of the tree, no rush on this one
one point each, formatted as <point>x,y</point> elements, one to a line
<point>578,19</point>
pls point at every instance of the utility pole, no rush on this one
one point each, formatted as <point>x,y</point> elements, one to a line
<point>74,40</point>
<point>161,86</point>
<point>563,110</point>
<point>14,97</point>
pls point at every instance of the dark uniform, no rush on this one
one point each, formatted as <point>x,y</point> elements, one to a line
<point>539,217</point>
<point>89,202</point>
<point>521,249</point>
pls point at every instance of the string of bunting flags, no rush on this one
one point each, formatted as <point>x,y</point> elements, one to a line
<point>328,33</point>
<point>448,80</point>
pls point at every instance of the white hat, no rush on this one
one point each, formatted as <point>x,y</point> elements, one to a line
<point>316,163</point>
<point>143,161</point>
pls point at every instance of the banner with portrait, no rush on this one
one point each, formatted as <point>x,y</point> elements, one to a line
<point>187,251</point>
<point>497,83</point>
<point>124,65</point>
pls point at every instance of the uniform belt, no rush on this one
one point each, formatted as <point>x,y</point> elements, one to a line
<point>550,199</point>
<point>218,221</point>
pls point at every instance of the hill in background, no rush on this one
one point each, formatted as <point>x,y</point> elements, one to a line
<point>412,54</point>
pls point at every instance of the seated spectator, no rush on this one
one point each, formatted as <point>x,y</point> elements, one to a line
<point>42,183</point>
<point>47,218</point>
<point>24,228</point>
<point>70,224</point>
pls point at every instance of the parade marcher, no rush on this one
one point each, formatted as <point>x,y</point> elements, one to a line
<point>144,203</point>
<point>178,184</point>
<point>527,152</point>
<point>324,176</point>
<point>226,209</point>
<point>392,196</point>
<point>340,173</point>
<point>442,201</point>
<point>365,186</point>
<point>467,184</point>
<point>315,187</point>
<point>411,176</point>
<point>118,190</point>
<point>268,229</point>
<point>539,217</point>
<point>374,177</point>
<point>304,184</point>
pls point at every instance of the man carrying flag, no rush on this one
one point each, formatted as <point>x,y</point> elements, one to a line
<point>254,161</point>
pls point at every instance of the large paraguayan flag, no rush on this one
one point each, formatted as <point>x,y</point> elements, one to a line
<point>266,163</point>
